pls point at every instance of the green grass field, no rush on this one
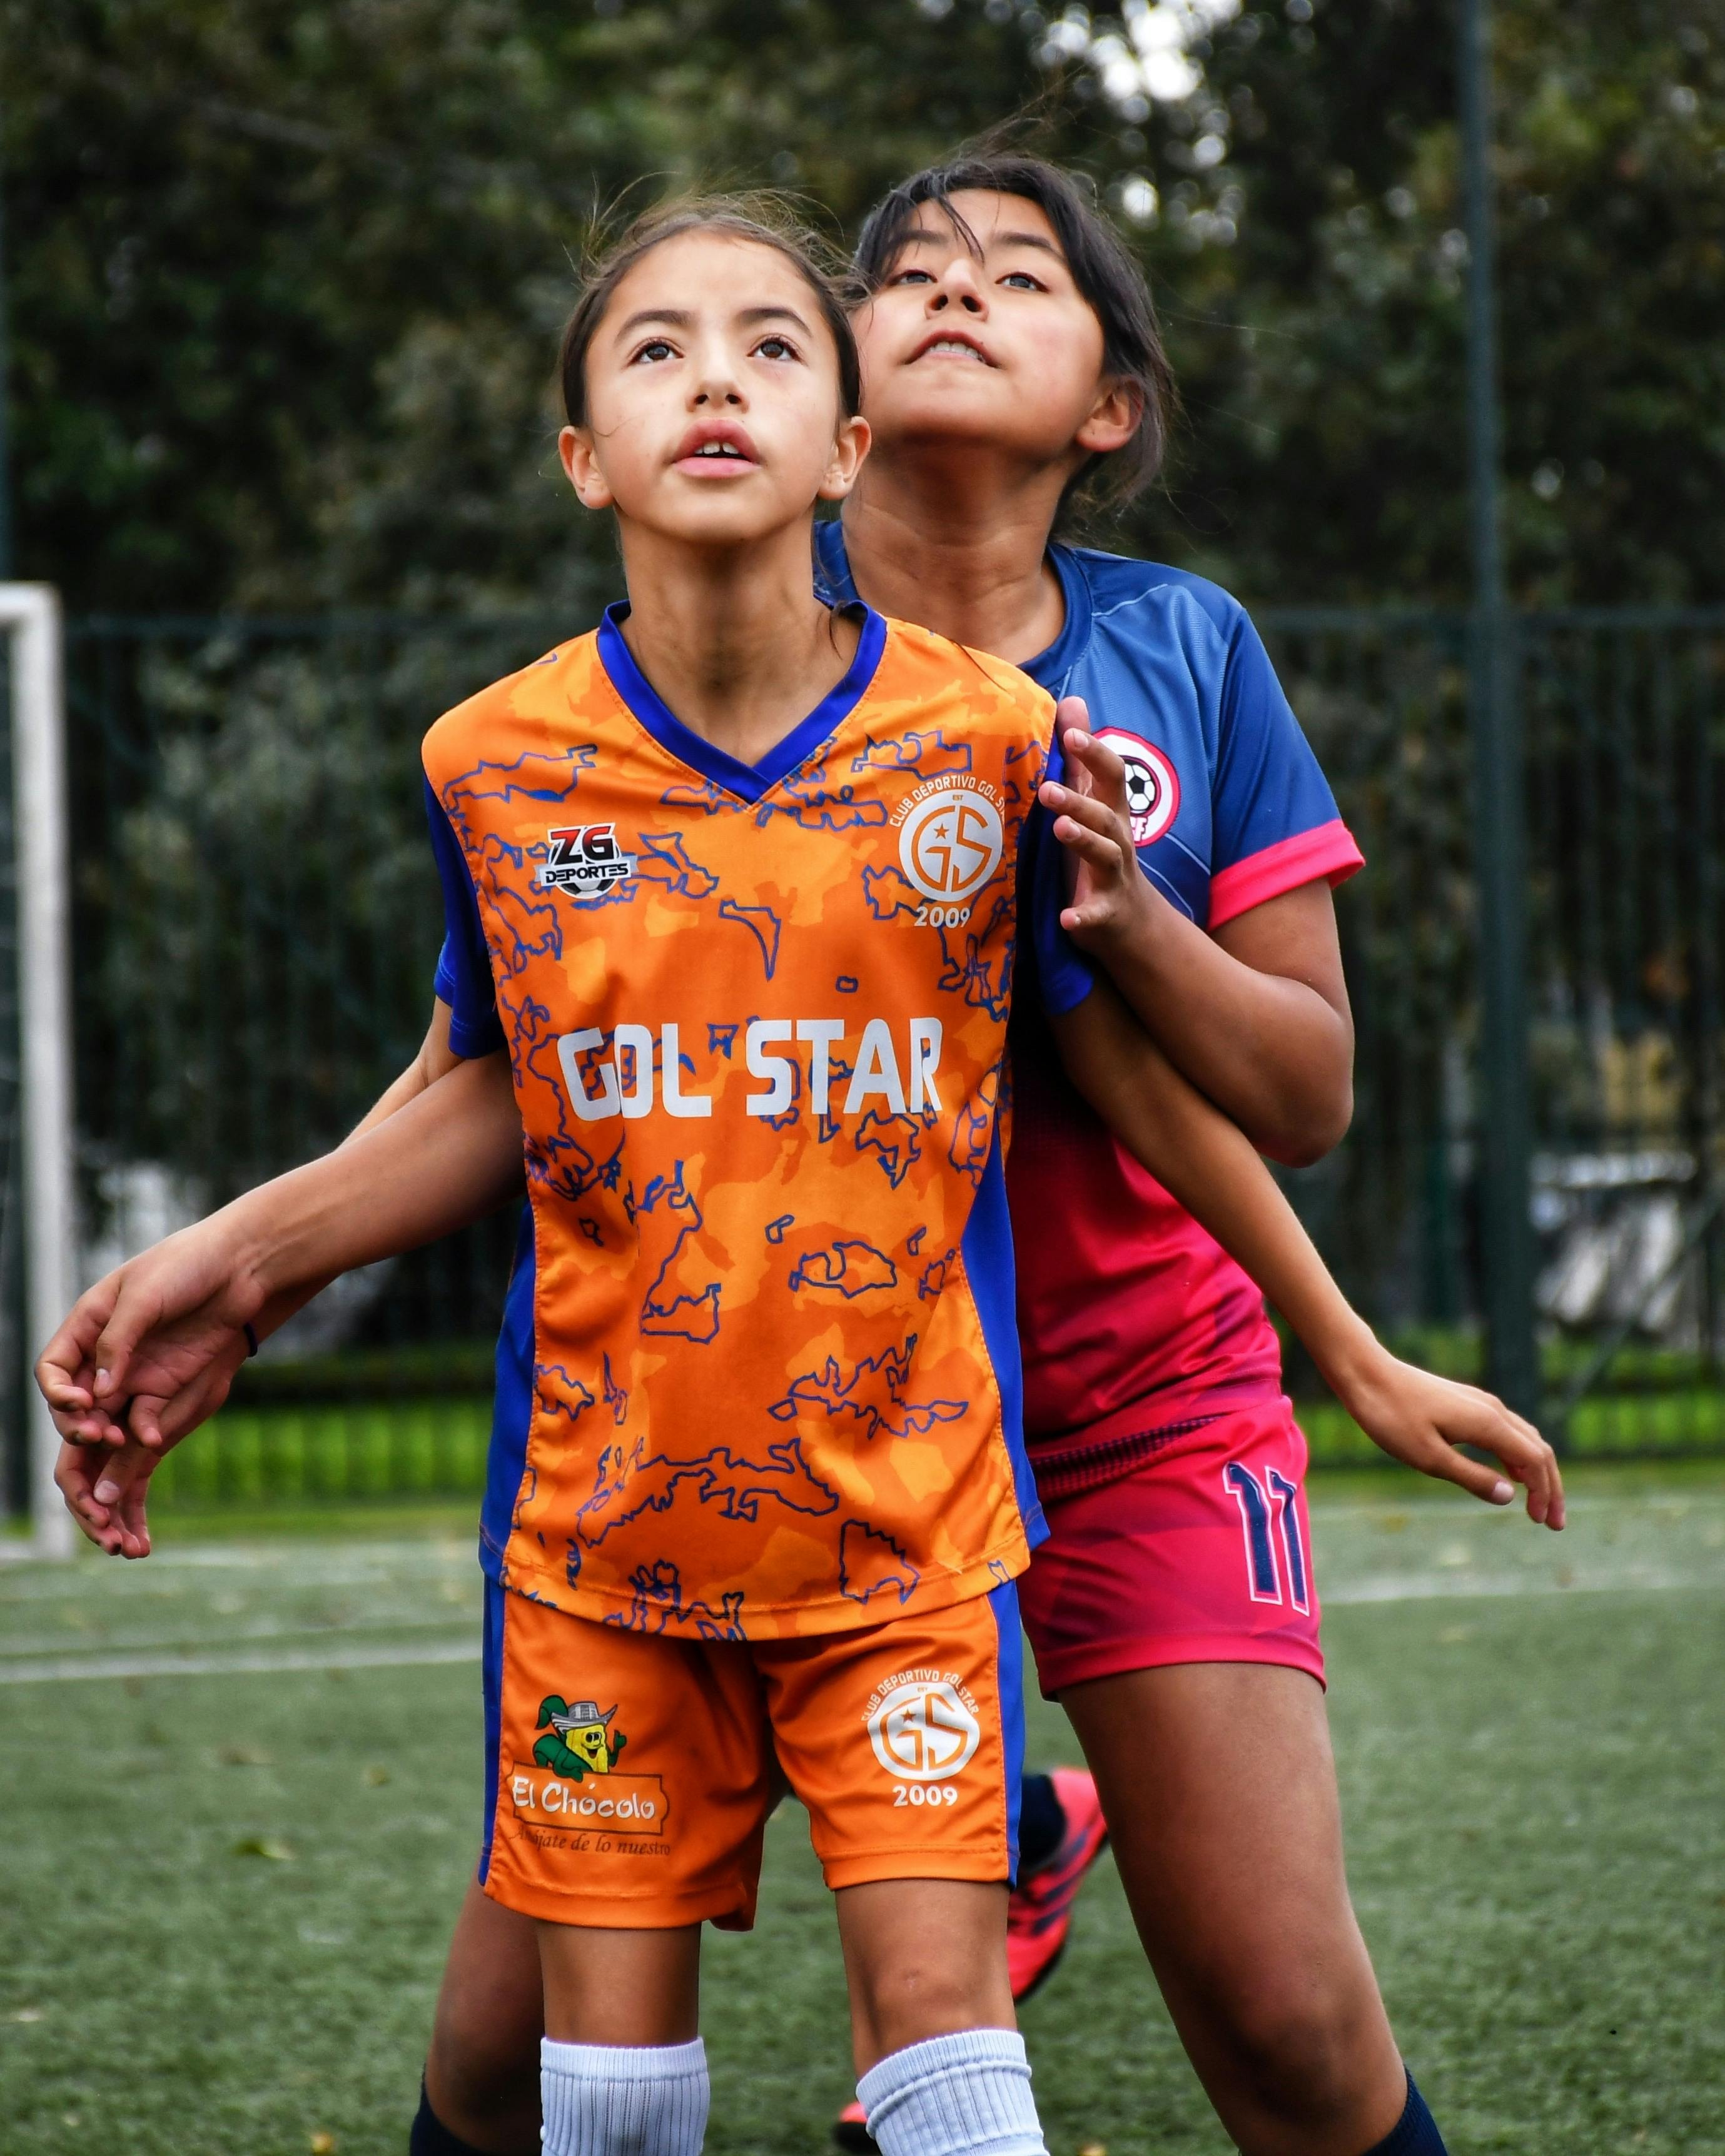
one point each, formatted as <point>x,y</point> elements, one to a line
<point>241,1786</point>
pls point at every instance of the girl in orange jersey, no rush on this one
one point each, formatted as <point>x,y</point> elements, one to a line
<point>710,593</point>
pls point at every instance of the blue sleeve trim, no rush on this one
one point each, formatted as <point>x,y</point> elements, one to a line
<point>463,967</point>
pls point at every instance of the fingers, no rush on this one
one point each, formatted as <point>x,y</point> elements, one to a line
<point>1483,1420</point>
<point>104,1493</point>
<point>65,1370</point>
<point>1071,715</point>
<point>1106,769</point>
<point>133,1316</point>
<point>1447,1464</point>
<point>137,1466</point>
<point>75,1477</point>
<point>1100,848</point>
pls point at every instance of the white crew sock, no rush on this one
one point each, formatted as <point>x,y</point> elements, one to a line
<point>609,2100</point>
<point>967,2095</point>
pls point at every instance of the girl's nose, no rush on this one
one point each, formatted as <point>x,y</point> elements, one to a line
<point>959,287</point>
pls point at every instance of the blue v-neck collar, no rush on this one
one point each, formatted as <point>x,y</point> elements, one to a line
<point>748,782</point>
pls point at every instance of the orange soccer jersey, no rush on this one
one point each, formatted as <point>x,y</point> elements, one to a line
<point>759,1375</point>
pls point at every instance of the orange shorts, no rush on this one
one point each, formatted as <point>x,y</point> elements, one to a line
<point>630,1775</point>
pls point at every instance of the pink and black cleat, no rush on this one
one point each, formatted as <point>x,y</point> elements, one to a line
<point>851,2134</point>
<point>1038,1916</point>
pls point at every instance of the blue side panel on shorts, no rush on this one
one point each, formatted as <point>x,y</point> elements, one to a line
<point>512,1409</point>
<point>1003,1601</point>
<point>496,1604</point>
<point>989,1267</point>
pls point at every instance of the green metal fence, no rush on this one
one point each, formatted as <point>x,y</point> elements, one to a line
<point>256,921</point>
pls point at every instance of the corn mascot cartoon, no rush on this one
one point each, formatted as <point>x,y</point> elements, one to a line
<point>578,1740</point>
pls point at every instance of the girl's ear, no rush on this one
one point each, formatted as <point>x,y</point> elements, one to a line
<point>575,446</point>
<point>850,446</point>
<point>1113,419</point>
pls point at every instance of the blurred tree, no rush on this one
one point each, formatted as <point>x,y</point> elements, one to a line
<point>286,276</point>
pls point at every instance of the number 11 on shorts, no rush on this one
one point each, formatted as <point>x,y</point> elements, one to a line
<point>1268,1514</point>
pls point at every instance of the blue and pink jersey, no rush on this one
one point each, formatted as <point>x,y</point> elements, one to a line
<point>1135,1324</point>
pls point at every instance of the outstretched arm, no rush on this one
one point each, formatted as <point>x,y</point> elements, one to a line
<point>448,1156</point>
<point>1209,1166</point>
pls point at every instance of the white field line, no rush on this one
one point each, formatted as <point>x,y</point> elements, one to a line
<point>241,1635</point>
<point>64,1669</point>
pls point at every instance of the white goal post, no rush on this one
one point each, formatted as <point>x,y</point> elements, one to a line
<point>30,620</point>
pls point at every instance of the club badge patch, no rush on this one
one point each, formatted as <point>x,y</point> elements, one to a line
<point>924,1727</point>
<point>1153,789</point>
<point>950,837</point>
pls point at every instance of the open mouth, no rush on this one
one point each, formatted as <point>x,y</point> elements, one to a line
<point>716,446</point>
<point>946,346</point>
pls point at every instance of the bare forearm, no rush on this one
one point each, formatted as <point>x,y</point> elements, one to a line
<point>1270,1050</point>
<point>442,1159</point>
<point>435,1060</point>
<point>1210,1167</point>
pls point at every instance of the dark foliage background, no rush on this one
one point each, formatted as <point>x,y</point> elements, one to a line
<point>285,278</point>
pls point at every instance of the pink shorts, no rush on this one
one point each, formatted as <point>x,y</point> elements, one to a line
<point>1200,1552</point>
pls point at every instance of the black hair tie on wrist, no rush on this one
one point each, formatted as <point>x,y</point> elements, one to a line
<point>251,1338</point>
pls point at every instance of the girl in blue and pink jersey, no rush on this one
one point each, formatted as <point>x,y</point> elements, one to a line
<point>1011,364</point>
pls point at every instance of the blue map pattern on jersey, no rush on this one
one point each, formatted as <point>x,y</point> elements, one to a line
<point>690,1316</point>
<point>656,1603</point>
<point>849,1267</point>
<point>630,1482</point>
<point>761,922</point>
<point>830,1392</point>
<point>870,1562</point>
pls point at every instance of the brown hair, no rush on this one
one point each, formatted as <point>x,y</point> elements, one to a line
<point>1104,270</point>
<point>763,220</point>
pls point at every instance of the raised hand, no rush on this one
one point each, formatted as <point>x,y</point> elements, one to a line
<point>1110,894</point>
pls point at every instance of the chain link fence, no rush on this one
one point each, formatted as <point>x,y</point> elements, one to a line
<point>256,923</point>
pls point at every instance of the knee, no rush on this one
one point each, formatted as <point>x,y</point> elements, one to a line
<point>1306,2048</point>
<point>479,2076</point>
<point>918,1999</point>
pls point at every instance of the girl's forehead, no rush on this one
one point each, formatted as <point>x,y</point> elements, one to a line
<point>694,268</point>
<point>993,220</point>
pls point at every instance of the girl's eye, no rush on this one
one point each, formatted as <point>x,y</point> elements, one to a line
<point>775,347</point>
<point>913,277</point>
<point>1021,281</point>
<point>655,348</point>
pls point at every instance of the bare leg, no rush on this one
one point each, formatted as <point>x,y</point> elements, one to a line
<point>923,1958</point>
<point>1219,1790</point>
<point>482,2072</point>
<point>621,1988</point>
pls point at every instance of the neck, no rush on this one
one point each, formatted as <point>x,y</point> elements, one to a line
<point>733,637</point>
<point>959,542</point>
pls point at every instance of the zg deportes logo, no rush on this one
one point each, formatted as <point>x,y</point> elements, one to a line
<point>923,1726</point>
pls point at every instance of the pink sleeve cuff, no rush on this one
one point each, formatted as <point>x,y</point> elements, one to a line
<point>1326,850</point>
